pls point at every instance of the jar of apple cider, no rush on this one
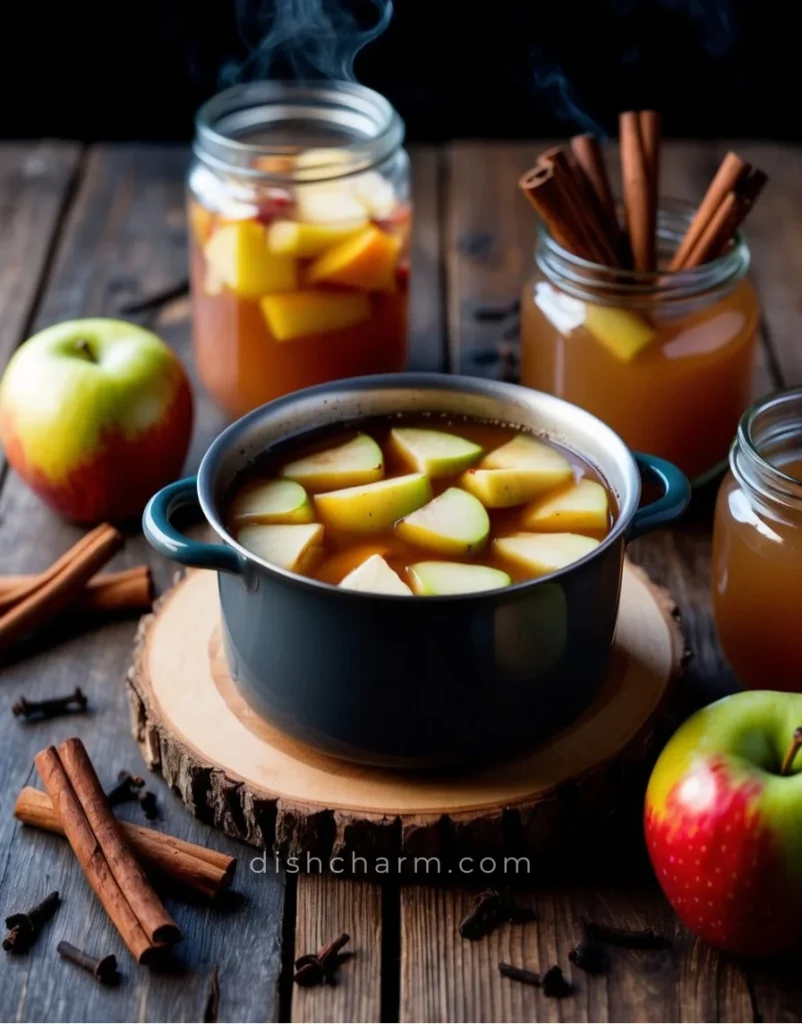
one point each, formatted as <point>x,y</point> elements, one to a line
<point>299,222</point>
<point>757,547</point>
<point>665,358</point>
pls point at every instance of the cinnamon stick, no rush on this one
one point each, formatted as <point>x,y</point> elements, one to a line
<point>91,858</point>
<point>638,202</point>
<point>542,188</point>
<point>61,587</point>
<point>651,131</point>
<point>143,901</point>
<point>590,160</point>
<point>732,172</point>
<point>127,590</point>
<point>193,867</point>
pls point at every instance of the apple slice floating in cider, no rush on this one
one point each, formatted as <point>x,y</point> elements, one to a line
<point>525,452</point>
<point>441,578</point>
<point>517,472</point>
<point>542,553</point>
<point>294,238</point>
<point>287,546</point>
<point>272,501</point>
<point>376,577</point>
<point>454,523</point>
<point>359,461</point>
<point>298,314</point>
<point>434,452</point>
<point>373,507</point>
<point>582,506</point>
<point>241,260</point>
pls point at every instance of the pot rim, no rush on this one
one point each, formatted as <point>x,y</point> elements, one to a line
<point>227,439</point>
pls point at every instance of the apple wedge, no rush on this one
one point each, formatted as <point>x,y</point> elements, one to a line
<point>623,332</point>
<point>292,315</point>
<point>517,472</point>
<point>433,579</point>
<point>454,523</point>
<point>525,452</point>
<point>376,577</point>
<point>272,501</point>
<point>294,238</point>
<point>542,553</point>
<point>359,461</point>
<point>366,261</point>
<point>434,452</point>
<point>582,506</point>
<point>373,507</point>
<point>239,256</point>
<point>287,546</point>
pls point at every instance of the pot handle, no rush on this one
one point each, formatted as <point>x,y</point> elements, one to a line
<point>163,536</point>
<point>674,501</point>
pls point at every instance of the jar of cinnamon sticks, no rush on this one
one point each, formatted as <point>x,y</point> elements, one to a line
<point>641,311</point>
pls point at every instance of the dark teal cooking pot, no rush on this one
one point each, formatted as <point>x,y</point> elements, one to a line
<point>415,681</point>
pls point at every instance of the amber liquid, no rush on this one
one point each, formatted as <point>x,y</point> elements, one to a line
<point>680,398</point>
<point>757,587</point>
<point>345,551</point>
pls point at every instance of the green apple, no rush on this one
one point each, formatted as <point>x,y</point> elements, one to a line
<point>359,461</point>
<point>723,821</point>
<point>437,579</point>
<point>373,507</point>
<point>454,523</point>
<point>289,546</point>
<point>540,554</point>
<point>272,501</point>
<point>95,416</point>
<point>526,452</point>
<point>434,452</point>
<point>375,576</point>
<point>581,506</point>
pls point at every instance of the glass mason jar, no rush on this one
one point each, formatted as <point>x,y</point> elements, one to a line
<point>664,358</point>
<point>757,547</point>
<point>299,221</point>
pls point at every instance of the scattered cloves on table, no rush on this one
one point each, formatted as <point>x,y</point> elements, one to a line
<point>555,985</point>
<point>321,968</point>
<point>519,974</point>
<point>212,1009</point>
<point>589,955</point>
<point>23,929</point>
<point>491,908</point>
<point>104,968</point>
<point>34,710</point>
<point>125,789</point>
<point>626,938</point>
<point>147,801</point>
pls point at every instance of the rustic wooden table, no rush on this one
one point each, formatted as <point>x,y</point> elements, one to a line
<point>83,232</point>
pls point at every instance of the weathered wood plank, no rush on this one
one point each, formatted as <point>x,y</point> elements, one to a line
<point>124,236</point>
<point>426,315</point>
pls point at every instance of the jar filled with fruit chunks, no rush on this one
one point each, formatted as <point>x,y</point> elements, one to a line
<point>757,547</point>
<point>665,358</point>
<point>299,222</point>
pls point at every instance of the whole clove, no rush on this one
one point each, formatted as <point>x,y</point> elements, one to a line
<point>555,985</point>
<point>321,968</point>
<point>104,968</point>
<point>589,955</point>
<point>626,938</point>
<point>147,801</point>
<point>212,1009</point>
<point>51,707</point>
<point>492,908</point>
<point>23,929</point>
<point>519,974</point>
<point>126,788</point>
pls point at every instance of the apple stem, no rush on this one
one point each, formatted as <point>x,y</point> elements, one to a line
<point>83,346</point>
<point>791,752</point>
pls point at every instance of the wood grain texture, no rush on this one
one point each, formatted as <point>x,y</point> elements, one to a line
<point>123,236</point>
<point>426,313</point>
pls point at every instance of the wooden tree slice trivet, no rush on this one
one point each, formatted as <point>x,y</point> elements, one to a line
<point>238,773</point>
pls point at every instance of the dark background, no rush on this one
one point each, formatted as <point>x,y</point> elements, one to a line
<point>138,69</point>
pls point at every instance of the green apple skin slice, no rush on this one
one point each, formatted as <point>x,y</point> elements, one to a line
<point>375,576</point>
<point>505,488</point>
<point>434,452</point>
<point>525,452</point>
<point>543,553</point>
<point>583,506</point>
<point>454,523</point>
<point>439,579</point>
<point>359,461</point>
<point>287,546</point>
<point>373,507</point>
<point>272,501</point>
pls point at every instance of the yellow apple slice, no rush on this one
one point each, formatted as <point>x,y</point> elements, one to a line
<point>434,452</point>
<point>359,461</point>
<point>328,204</point>
<point>542,553</point>
<point>293,238</point>
<point>582,506</point>
<point>505,488</point>
<point>287,546</point>
<point>376,577</point>
<point>623,332</point>
<point>272,501</point>
<point>526,452</point>
<point>367,261</point>
<point>314,311</point>
<point>373,507</point>
<point>241,260</point>
<point>454,523</point>
<point>434,579</point>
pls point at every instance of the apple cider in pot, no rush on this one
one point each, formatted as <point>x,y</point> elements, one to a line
<point>427,505</point>
<point>757,547</point>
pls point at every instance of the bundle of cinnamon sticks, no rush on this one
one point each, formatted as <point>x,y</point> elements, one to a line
<point>71,586</point>
<point>570,189</point>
